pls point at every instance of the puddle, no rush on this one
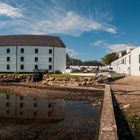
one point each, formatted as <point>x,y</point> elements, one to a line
<point>34,118</point>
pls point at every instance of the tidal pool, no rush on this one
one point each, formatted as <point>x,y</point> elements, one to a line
<point>36,118</point>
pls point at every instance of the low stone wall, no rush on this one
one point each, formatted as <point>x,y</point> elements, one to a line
<point>108,127</point>
<point>69,81</point>
<point>15,78</point>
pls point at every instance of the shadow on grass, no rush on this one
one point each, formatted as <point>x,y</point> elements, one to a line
<point>124,131</point>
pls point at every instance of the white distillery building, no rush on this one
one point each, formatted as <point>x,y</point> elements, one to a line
<point>128,63</point>
<point>25,53</point>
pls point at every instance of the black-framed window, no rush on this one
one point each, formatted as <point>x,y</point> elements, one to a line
<point>21,67</point>
<point>50,59</point>
<point>8,59</point>
<point>36,50</point>
<point>50,51</point>
<point>36,66</point>
<point>36,59</point>
<point>50,67</point>
<point>8,50</point>
<point>8,67</point>
<point>21,50</point>
<point>21,59</point>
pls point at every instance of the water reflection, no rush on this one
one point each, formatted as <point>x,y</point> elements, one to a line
<point>24,107</point>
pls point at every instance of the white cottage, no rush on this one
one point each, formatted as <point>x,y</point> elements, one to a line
<point>25,53</point>
<point>129,63</point>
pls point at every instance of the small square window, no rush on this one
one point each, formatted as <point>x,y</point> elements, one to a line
<point>36,50</point>
<point>7,111</point>
<point>50,59</point>
<point>21,59</point>
<point>8,67</point>
<point>50,67</point>
<point>22,50</point>
<point>7,97</point>
<point>8,50</point>
<point>36,66</point>
<point>35,113</point>
<point>21,105</point>
<point>35,104</point>
<point>49,105</point>
<point>50,51</point>
<point>36,59</point>
<point>21,97</point>
<point>8,59</point>
<point>7,104</point>
<point>21,67</point>
<point>21,113</point>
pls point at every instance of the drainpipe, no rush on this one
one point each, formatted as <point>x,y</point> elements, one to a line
<point>53,59</point>
<point>16,56</point>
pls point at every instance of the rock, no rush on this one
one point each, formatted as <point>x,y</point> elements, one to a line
<point>126,106</point>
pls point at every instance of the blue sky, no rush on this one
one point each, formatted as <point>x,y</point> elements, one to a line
<point>89,28</point>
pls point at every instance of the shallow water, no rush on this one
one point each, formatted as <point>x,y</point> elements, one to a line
<point>34,118</point>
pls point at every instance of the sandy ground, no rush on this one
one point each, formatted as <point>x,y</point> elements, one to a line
<point>127,93</point>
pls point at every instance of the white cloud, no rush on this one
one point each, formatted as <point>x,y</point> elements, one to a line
<point>73,24</point>
<point>119,47</point>
<point>112,47</point>
<point>10,11</point>
<point>49,18</point>
<point>71,52</point>
<point>99,43</point>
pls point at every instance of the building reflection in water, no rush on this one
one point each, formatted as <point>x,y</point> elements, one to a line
<point>16,106</point>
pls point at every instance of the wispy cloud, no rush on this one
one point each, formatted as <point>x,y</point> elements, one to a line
<point>98,43</point>
<point>10,11</point>
<point>51,17</point>
<point>112,47</point>
<point>119,47</point>
<point>71,52</point>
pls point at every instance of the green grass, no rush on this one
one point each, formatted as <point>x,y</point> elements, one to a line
<point>16,74</point>
<point>63,75</point>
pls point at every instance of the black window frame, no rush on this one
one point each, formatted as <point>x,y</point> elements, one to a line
<point>50,51</point>
<point>50,67</point>
<point>50,59</point>
<point>36,67</point>
<point>8,50</point>
<point>8,59</point>
<point>22,67</point>
<point>8,67</point>
<point>36,50</point>
<point>22,50</point>
<point>21,59</point>
<point>36,59</point>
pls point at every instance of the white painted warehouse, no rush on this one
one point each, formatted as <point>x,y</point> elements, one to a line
<point>26,53</point>
<point>129,63</point>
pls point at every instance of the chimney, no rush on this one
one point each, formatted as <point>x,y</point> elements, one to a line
<point>120,54</point>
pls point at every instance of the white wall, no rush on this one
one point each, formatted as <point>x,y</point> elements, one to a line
<point>3,59</point>
<point>122,65</point>
<point>135,65</point>
<point>29,56</point>
<point>60,59</point>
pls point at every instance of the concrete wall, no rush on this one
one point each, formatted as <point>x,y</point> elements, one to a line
<point>58,58</point>
<point>108,127</point>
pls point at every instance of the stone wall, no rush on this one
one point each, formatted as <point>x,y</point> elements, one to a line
<point>69,81</point>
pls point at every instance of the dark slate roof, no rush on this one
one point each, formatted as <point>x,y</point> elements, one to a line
<point>30,40</point>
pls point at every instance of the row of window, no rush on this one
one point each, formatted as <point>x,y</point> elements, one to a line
<point>22,67</point>
<point>35,59</point>
<point>21,105</point>
<point>22,50</point>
